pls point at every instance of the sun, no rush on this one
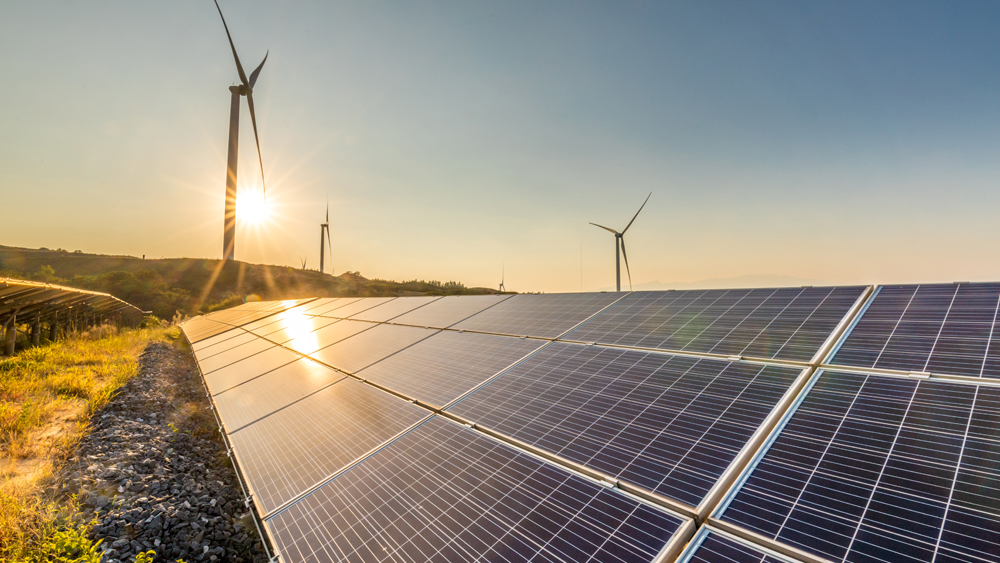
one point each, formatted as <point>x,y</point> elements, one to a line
<point>251,207</point>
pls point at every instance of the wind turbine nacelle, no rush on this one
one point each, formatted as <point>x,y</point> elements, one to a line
<point>241,90</point>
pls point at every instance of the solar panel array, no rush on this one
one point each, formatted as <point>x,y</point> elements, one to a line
<point>792,425</point>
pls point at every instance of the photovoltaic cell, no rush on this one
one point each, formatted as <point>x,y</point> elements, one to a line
<point>298,328</point>
<point>233,355</point>
<point>217,339</point>
<point>356,307</point>
<point>218,347</point>
<point>946,328</point>
<point>331,334</point>
<point>879,468</point>
<point>276,389</point>
<point>442,368</point>
<point>442,493</point>
<point>718,548</point>
<point>331,305</point>
<point>293,449</point>
<point>670,424</point>
<point>370,346</point>
<point>785,323</point>
<point>545,315</point>
<point>394,308</point>
<point>449,310</point>
<point>200,329</point>
<point>249,368</point>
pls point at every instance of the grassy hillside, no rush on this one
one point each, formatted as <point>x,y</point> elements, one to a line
<point>192,285</point>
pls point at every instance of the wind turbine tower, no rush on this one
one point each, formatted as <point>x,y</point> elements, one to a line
<point>620,246</point>
<point>324,228</point>
<point>244,89</point>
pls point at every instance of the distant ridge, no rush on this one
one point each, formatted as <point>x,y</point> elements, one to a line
<point>192,285</point>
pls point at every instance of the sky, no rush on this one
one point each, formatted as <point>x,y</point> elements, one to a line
<point>783,142</point>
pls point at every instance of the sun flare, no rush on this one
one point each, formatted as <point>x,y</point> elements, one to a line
<point>251,207</point>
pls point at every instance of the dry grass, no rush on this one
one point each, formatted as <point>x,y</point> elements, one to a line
<point>47,394</point>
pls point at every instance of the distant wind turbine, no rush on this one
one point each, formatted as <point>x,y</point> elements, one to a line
<point>303,261</point>
<point>620,244</point>
<point>503,271</point>
<point>244,89</point>
<point>325,228</point>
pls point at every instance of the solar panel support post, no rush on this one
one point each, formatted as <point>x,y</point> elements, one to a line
<point>36,329</point>
<point>10,335</point>
<point>54,327</point>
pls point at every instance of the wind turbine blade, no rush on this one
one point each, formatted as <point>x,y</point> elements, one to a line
<point>637,213</point>
<point>256,71</point>
<point>625,256</point>
<point>605,228</point>
<point>239,67</point>
<point>253,120</point>
<point>328,212</point>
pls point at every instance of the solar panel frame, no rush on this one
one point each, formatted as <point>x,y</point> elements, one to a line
<point>539,315</point>
<point>291,451</point>
<point>991,427</point>
<point>799,323</point>
<point>549,401</point>
<point>725,547</point>
<point>460,509</point>
<point>962,341</point>
<point>427,371</point>
<point>244,404</point>
<point>450,310</point>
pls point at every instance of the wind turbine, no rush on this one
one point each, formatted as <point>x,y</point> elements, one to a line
<point>325,228</point>
<point>303,262</point>
<point>244,89</point>
<point>620,244</point>
<point>503,271</point>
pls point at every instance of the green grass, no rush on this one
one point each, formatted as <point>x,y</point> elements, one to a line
<point>47,394</point>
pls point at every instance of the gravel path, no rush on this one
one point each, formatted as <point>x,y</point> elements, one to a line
<point>153,469</point>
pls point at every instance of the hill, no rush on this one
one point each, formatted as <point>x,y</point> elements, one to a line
<point>194,285</point>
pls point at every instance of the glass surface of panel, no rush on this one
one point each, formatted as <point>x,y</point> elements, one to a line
<point>875,467</point>
<point>276,389</point>
<point>234,355</point>
<point>356,307</point>
<point>293,449</point>
<point>784,323</point>
<point>249,368</point>
<point>299,329</point>
<point>449,310</point>
<point>369,346</point>
<point>719,548</point>
<point>217,339</point>
<point>944,328</point>
<point>221,346</point>
<point>442,368</point>
<point>330,334</point>
<point>332,305</point>
<point>394,308</point>
<point>443,493</point>
<point>545,315</point>
<point>670,424</point>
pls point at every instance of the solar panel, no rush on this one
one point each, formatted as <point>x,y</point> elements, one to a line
<point>310,342</point>
<point>233,355</point>
<point>449,310</point>
<point>356,307</point>
<point>784,323</point>
<point>443,493</point>
<point>712,546</point>
<point>298,328</point>
<point>293,449</point>
<point>545,316</point>
<point>449,364</point>
<point>201,329</point>
<point>276,389</point>
<point>876,467</point>
<point>946,328</point>
<point>331,305</point>
<point>394,308</point>
<point>222,337</point>
<point>234,338</point>
<point>370,346</point>
<point>248,368</point>
<point>670,424</point>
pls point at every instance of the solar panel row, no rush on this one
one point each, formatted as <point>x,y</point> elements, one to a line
<point>343,471</point>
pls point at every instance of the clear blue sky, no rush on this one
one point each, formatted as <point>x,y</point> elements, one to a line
<point>834,141</point>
